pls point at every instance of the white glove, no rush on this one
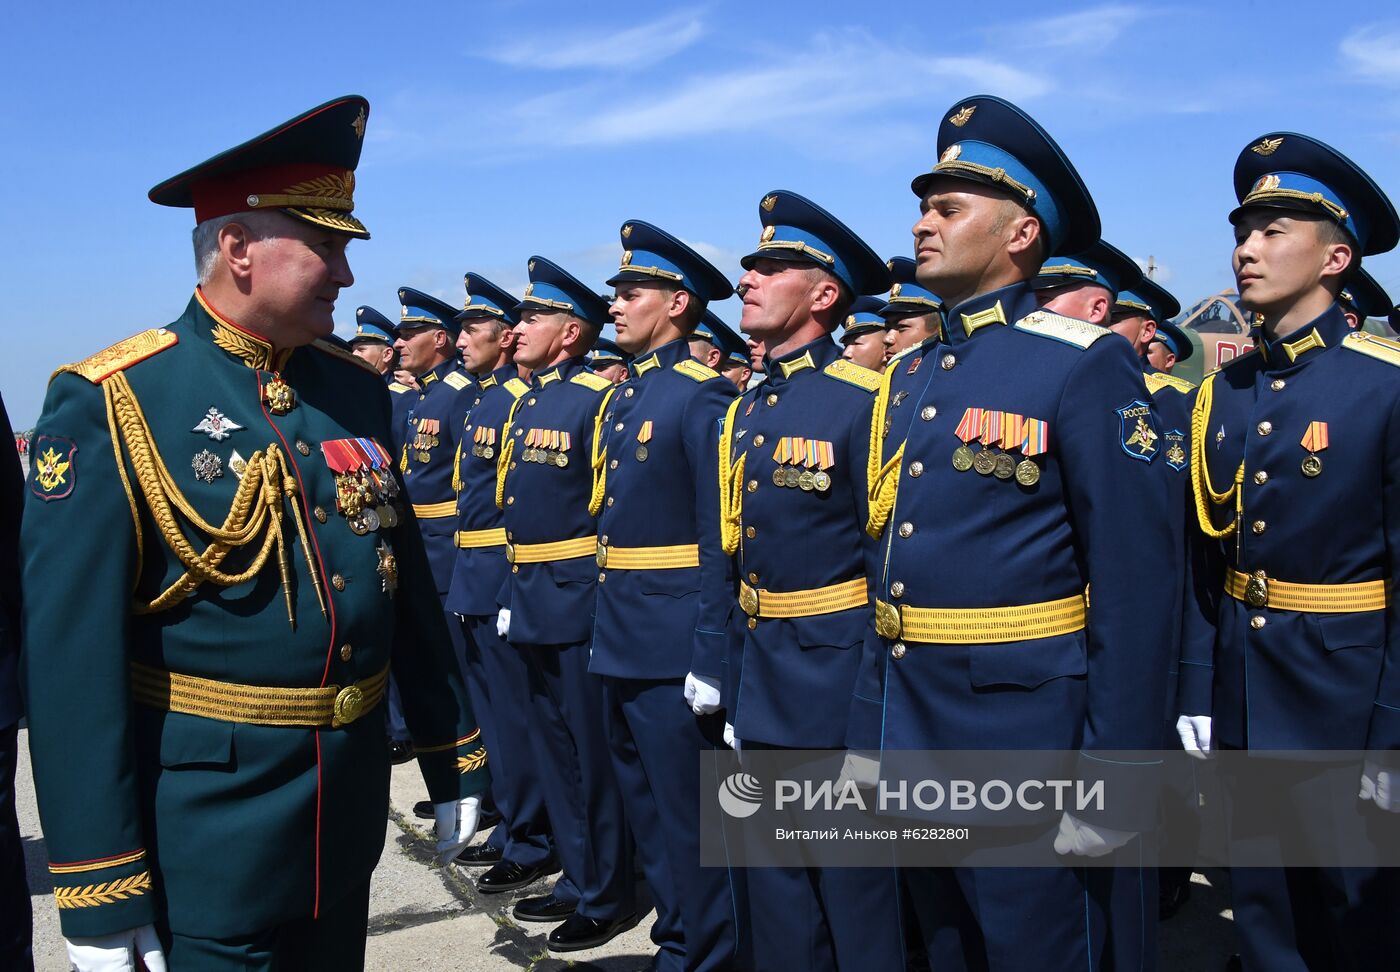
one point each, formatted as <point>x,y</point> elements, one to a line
<point>1195,735</point>
<point>503,622</point>
<point>729,739</point>
<point>701,694</point>
<point>117,952</point>
<point>860,769</point>
<point>1087,840</point>
<point>455,826</point>
<point>1381,786</point>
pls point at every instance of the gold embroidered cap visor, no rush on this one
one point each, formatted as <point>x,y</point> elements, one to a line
<point>305,167</point>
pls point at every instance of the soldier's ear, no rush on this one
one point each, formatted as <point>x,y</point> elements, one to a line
<point>235,243</point>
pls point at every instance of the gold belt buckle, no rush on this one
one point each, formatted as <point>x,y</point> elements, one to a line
<point>748,600</point>
<point>349,704</point>
<point>887,623</point>
<point>602,555</point>
<point>510,553</point>
<point>1256,591</point>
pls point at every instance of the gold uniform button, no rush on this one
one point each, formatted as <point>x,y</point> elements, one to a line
<point>529,401</point>
<point>750,532</point>
<point>897,589</point>
<point>927,413</point>
<point>519,431</point>
<point>512,465</point>
<point>1278,384</point>
<point>602,577</point>
<point>906,529</point>
<point>510,501</point>
<point>751,485</point>
<point>771,399</point>
<point>610,501</point>
<point>916,469</point>
<point>1261,477</point>
<point>303,448</point>
<point>758,440</point>
<point>613,464</point>
<point>897,652</point>
<point>320,514</point>
<point>1258,621</point>
<point>337,582</point>
<point>617,427</point>
<point>1259,526</point>
<point>515,568</point>
<point>603,539</point>
<point>753,623</point>
<point>948,362</point>
<point>345,652</point>
<point>1265,428</point>
<point>628,393</point>
<point>753,578</point>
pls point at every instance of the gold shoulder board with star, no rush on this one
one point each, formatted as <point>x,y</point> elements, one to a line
<point>589,380</point>
<point>516,387</point>
<point>853,374</point>
<point>695,370</point>
<point>1066,330</point>
<point>1157,381</point>
<point>457,380</point>
<point>121,355</point>
<point>335,351</point>
<point>1383,349</point>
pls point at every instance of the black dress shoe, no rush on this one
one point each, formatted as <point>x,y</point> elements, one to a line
<point>480,855</point>
<point>546,907</point>
<point>423,810</point>
<point>509,876</point>
<point>578,932</point>
<point>400,751</point>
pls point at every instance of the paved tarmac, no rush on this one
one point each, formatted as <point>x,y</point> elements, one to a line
<point>431,918</point>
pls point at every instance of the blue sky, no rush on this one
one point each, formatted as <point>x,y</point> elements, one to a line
<point>500,129</point>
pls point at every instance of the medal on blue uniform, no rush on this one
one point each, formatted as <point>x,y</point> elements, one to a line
<point>1033,443</point>
<point>966,431</point>
<point>643,437</point>
<point>1314,440</point>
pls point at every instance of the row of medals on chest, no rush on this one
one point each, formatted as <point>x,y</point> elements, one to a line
<point>368,499</point>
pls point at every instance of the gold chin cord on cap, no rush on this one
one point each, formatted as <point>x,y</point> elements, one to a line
<point>256,509</point>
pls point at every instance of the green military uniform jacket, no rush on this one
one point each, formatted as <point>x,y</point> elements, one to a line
<point>195,451</point>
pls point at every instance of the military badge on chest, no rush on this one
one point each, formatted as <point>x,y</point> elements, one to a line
<point>803,463</point>
<point>366,493</point>
<point>643,437</point>
<point>426,438</point>
<point>1314,440</point>
<point>999,436</point>
<point>484,442</point>
<point>549,447</point>
<point>1138,434</point>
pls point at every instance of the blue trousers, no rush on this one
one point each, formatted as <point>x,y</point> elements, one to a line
<point>657,745</point>
<point>570,743</point>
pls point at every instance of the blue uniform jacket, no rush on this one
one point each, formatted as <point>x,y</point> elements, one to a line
<point>661,435</point>
<point>427,459</point>
<point>1284,679</point>
<point>544,502</point>
<point>480,571</point>
<point>1095,514</point>
<point>795,675</point>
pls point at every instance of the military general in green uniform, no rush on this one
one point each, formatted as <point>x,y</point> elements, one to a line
<point>221,573</point>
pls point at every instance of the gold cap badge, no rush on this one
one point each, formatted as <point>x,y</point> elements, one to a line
<point>359,123</point>
<point>531,267</point>
<point>768,234</point>
<point>626,257</point>
<point>894,291</point>
<point>950,153</point>
<point>962,117</point>
<point>1268,146</point>
<point>768,203</point>
<point>627,231</point>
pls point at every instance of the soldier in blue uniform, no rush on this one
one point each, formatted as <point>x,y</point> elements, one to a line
<point>734,363</point>
<point>863,333</point>
<point>546,476</point>
<point>664,589</point>
<point>913,314</point>
<point>374,340</point>
<point>1169,346</point>
<point>608,361</point>
<point>1363,298</point>
<point>1290,637</point>
<point>218,498</point>
<point>793,500</point>
<point>519,850</point>
<point>1011,466</point>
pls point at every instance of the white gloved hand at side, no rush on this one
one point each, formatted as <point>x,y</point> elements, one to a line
<point>860,769</point>
<point>503,623</point>
<point>455,825</point>
<point>1381,786</point>
<point>117,952</point>
<point>729,739</point>
<point>701,694</point>
<point>1195,734</point>
<point>1088,840</point>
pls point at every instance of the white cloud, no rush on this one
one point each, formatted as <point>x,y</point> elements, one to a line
<point>626,49</point>
<point>1373,53</point>
<point>1096,27</point>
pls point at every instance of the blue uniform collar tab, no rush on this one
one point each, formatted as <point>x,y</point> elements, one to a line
<point>975,313</point>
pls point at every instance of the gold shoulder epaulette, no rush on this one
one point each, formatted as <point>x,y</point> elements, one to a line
<point>516,387</point>
<point>1066,330</point>
<point>398,387</point>
<point>1157,380</point>
<point>121,355</point>
<point>695,370</point>
<point>853,374</point>
<point>336,351</point>
<point>457,380</point>
<point>589,380</point>
<point>1383,349</point>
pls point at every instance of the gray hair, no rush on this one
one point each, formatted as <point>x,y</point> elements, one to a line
<point>260,226</point>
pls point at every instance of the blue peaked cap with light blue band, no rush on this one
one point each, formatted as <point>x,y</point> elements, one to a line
<point>605,352</point>
<point>1102,264</point>
<point>485,299</point>
<point>1364,297</point>
<point>722,336</point>
<point>797,230</point>
<point>907,295</point>
<point>1148,297</point>
<point>1175,340</point>
<point>552,288</point>
<point>988,140</point>
<point>421,310</point>
<point>651,255</point>
<point>1285,170</point>
<point>370,325</point>
<point>863,317</point>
